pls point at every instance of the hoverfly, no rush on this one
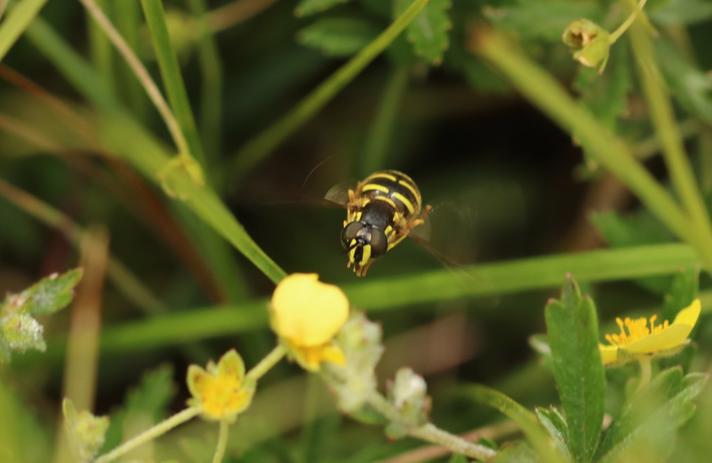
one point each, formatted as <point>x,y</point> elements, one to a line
<point>381,210</point>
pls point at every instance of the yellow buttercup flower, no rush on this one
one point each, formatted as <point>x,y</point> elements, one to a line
<point>644,337</point>
<point>307,314</point>
<point>220,390</point>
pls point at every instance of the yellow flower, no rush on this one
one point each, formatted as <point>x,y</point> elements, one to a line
<point>307,314</point>
<point>220,392</point>
<point>643,337</point>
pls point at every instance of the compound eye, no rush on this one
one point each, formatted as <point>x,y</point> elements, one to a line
<point>378,242</point>
<point>349,233</point>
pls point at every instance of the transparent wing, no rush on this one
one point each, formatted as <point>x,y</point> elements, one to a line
<point>339,193</point>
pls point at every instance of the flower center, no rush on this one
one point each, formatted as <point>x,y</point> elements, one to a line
<point>633,330</point>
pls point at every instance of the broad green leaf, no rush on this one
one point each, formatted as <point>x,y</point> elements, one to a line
<point>145,405</point>
<point>526,420</point>
<point>338,36</point>
<point>51,293</point>
<point>675,12</point>
<point>307,7</point>
<point>24,435</point>
<point>543,19</point>
<point>690,86</point>
<point>572,331</point>
<point>429,31</point>
<point>647,426</point>
<point>682,292</point>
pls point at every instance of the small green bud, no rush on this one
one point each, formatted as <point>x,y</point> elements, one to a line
<point>85,432</point>
<point>408,393</point>
<point>590,43</point>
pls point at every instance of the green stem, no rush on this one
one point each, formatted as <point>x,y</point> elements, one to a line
<point>18,19</point>
<point>615,35</point>
<point>645,372</point>
<point>150,434</point>
<point>266,364</point>
<point>676,159</point>
<point>380,133</point>
<point>265,142</point>
<point>222,442</point>
<point>141,74</point>
<point>172,77</point>
<point>543,90</point>
<point>431,433</point>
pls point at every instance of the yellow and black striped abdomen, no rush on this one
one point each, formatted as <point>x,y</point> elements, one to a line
<point>394,188</point>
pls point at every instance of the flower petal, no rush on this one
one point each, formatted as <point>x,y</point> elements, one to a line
<point>306,311</point>
<point>675,335</point>
<point>690,314</point>
<point>197,380</point>
<point>609,354</point>
<point>231,364</point>
<point>333,354</point>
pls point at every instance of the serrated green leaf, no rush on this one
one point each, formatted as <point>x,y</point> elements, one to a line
<point>145,404</point>
<point>85,432</point>
<point>338,36</point>
<point>308,7</point>
<point>429,31</point>
<point>572,331</point>
<point>533,430</point>
<point>682,292</point>
<point>647,427</point>
<point>50,294</point>
<point>555,425</point>
<point>543,19</point>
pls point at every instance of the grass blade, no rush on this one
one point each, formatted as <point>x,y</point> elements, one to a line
<point>18,19</point>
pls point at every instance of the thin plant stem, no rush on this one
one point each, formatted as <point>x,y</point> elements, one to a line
<point>222,442</point>
<point>645,371</point>
<point>381,131</point>
<point>615,35</point>
<point>432,452</point>
<point>676,159</point>
<point>150,434</point>
<point>141,74</point>
<point>266,364</point>
<point>540,87</point>
<point>17,21</point>
<point>431,433</point>
<point>265,142</point>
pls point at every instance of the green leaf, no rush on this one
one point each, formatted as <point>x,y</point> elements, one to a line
<point>145,405</point>
<point>572,331</point>
<point>308,7</point>
<point>690,86</point>
<point>428,33</point>
<point>682,292</point>
<point>338,36</point>
<point>543,19</point>
<point>555,425</point>
<point>458,458</point>
<point>676,12</point>
<point>51,293</point>
<point>18,19</point>
<point>85,432</point>
<point>649,421</point>
<point>526,420</point>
